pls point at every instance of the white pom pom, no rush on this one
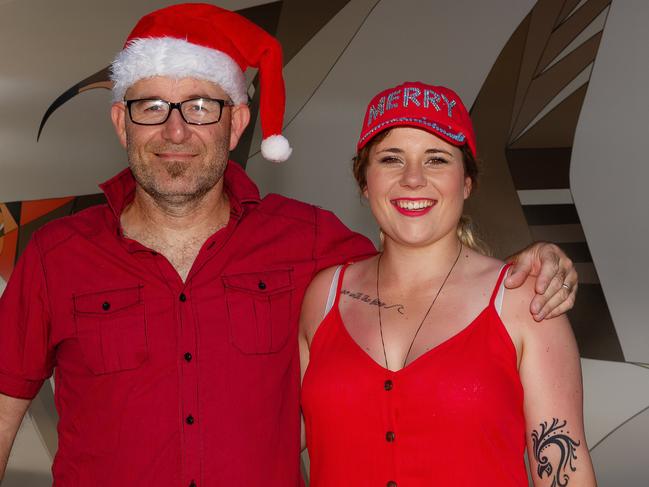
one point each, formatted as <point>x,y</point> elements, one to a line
<point>275,148</point>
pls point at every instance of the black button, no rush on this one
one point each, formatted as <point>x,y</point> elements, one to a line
<point>105,306</point>
<point>193,484</point>
<point>188,356</point>
<point>388,385</point>
<point>262,285</point>
<point>389,436</point>
<point>182,297</point>
<point>392,483</point>
<point>189,419</point>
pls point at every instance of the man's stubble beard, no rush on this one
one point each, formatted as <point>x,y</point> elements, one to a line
<point>204,177</point>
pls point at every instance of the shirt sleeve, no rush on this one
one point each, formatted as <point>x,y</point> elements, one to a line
<point>337,244</point>
<point>26,358</point>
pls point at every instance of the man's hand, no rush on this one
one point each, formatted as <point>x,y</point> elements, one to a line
<point>556,278</point>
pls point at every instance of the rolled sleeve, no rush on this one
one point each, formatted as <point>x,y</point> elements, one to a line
<point>337,244</point>
<point>26,357</point>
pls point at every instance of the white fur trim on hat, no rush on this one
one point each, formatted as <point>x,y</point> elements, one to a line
<point>167,56</point>
<point>275,148</point>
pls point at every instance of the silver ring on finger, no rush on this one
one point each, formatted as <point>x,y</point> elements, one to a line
<point>567,286</point>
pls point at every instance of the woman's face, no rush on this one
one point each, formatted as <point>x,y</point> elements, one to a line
<point>416,186</point>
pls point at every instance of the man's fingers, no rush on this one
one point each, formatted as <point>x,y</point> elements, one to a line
<point>564,306</point>
<point>551,269</point>
<point>572,279</point>
<point>540,302</point>
<point>520,269</point>
<point>555,301</point>
<point>516,276</point>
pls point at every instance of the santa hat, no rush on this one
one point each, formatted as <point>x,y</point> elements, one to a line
<point>196,40</point>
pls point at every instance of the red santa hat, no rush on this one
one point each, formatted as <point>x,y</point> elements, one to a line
<point>196,40</point>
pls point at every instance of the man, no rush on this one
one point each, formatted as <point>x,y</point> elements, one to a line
<point>169,315</point>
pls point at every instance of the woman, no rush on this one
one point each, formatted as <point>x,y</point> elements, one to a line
<point>425,370</point>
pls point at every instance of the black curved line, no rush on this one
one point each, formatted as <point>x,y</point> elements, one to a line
<point>333,65</point>
<point>67,95</point>
<point>619,426</point>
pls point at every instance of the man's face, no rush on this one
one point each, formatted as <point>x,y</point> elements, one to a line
<point>176,162</point>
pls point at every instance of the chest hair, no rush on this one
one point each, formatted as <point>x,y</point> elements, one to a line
<point>181,252</point>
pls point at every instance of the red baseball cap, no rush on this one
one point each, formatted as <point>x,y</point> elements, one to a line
<point>436,109</point>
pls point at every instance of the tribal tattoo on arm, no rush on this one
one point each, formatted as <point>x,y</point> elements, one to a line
<point>373,301</point>
<point>554,441</point>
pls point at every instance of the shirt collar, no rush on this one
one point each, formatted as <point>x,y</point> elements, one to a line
<point>241,190</point>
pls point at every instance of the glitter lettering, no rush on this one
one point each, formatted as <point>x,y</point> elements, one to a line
<point>376,112</point>
<point>431,97</point>
<point>392,99</point>
<point>411,94</point>
<point>449,104</point>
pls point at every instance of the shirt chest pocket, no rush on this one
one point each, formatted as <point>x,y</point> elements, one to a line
<point>111,329</point>
<point>259,310</point>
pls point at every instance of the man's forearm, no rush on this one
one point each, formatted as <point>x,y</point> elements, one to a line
<point>12,411</point>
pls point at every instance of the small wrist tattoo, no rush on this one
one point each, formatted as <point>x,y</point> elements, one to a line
<point>554,441</point>
<point>401,309</point>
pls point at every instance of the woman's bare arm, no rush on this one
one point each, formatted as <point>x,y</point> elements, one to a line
<point>313,308</point>
<point>550,372</point>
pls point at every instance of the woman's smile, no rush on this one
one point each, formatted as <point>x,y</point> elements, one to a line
<point>413,206</point>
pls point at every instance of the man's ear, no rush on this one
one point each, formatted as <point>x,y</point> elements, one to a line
<point>118,117</point>
<point>239,120</point>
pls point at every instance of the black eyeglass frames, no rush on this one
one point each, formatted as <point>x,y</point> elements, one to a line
<point>156,111</point>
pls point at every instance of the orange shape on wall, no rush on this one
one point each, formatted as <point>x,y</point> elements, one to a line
<point>31,210</point>
<point>8,254</point>
<point>6,219</point>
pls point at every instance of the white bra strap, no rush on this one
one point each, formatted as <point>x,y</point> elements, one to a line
<point>498,302</point>
<point>331,299</point>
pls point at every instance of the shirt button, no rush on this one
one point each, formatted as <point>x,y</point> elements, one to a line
<point>193,484</point>
<point>182,297</point>
<point>261,285</point>
<point>105,306</point>
<point>391,483</point>
<point>189,419</point>
<point>388,385</point>
<point>389,436</point>
<point>188,357</point>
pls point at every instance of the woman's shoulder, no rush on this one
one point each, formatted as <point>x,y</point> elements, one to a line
<point>321,282</point>
<point>518,318</point>
<point>482,267</point>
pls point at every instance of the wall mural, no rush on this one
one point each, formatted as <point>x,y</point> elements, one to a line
<point>540,81</point>
<point>526,114</point>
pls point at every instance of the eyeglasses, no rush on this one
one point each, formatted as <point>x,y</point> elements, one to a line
<point>155,111</point>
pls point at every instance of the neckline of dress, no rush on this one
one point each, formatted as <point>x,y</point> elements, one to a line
<point>443,344</point>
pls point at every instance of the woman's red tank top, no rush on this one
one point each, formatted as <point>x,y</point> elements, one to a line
<point>452,417</point>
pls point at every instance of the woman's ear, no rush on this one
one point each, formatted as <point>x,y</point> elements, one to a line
<point>468,186</point>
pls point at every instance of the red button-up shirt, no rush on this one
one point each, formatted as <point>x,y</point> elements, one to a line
<point>164,383</point>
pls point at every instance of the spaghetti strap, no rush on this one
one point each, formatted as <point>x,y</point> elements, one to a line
<point>499,282</point>
<point>331,297</point>
<point>334,289</point>
<point>340,282</point>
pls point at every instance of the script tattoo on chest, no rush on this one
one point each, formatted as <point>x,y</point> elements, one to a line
<point>556,442</point>
<point>401,309</point>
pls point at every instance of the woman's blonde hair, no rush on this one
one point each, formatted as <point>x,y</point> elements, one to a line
<point>466,230</point>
